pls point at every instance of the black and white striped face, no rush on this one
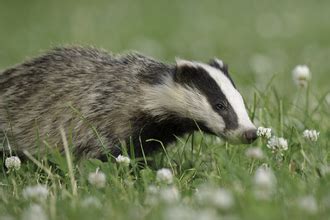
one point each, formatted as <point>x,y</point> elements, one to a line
<point>222,109</point>
<point>206,94</point>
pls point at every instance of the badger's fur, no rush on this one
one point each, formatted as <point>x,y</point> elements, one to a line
<point>106,100</point>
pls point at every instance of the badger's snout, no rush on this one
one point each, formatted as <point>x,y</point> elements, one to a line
<point>250,136</point>
<point>244,136</point>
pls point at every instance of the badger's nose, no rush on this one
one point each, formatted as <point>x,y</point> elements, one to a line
<point>250,135</point>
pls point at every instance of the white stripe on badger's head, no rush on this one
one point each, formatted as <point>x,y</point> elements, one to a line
<point>221,76</point>
<point>204,93</point>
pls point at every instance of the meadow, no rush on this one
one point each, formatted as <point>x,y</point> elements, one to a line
<point>200,176</point>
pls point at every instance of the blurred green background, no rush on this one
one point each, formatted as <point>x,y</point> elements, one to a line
<point>261,40</point>
<point>256,38</point>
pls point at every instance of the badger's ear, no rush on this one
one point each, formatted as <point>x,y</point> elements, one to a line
<point>185,70</point>
<point>180,63</point>
<point>219,64</point>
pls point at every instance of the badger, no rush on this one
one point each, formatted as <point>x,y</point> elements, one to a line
<point>104,100</point>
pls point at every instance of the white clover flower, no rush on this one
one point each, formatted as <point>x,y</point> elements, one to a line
<point>264,132</point>
<point>155,195</point>
<point>37,192</point>
<point>169,194</point>
<point>33,212</point>
<point>152,189</point>
<point>264,178</point>
<point>152,195</point>
<point>223,199</point>
<point>308,203</point>
<point>123,160</point>
<point>301,75</point>
<point>217,197</point>
<point>254,153</point>
<point>91,201</point>
<point>97,179</point>
<point>164,175</point>
<point>13,163</point>
<point>264,182</point>
<point>311,135</point>
<point>277,144</point>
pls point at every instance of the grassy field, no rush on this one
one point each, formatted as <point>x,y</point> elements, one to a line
<point>262,41</point>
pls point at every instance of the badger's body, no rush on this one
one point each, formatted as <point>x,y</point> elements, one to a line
<point>103,100</point>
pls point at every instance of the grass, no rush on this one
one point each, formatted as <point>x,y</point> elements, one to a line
<point>262,41</point>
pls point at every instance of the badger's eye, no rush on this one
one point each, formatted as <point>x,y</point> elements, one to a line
<point>221,106</point>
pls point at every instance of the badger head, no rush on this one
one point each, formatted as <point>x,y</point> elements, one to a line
<point>206,94</point>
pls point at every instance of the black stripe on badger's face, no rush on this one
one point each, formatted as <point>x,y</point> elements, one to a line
<point>200,79</point>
